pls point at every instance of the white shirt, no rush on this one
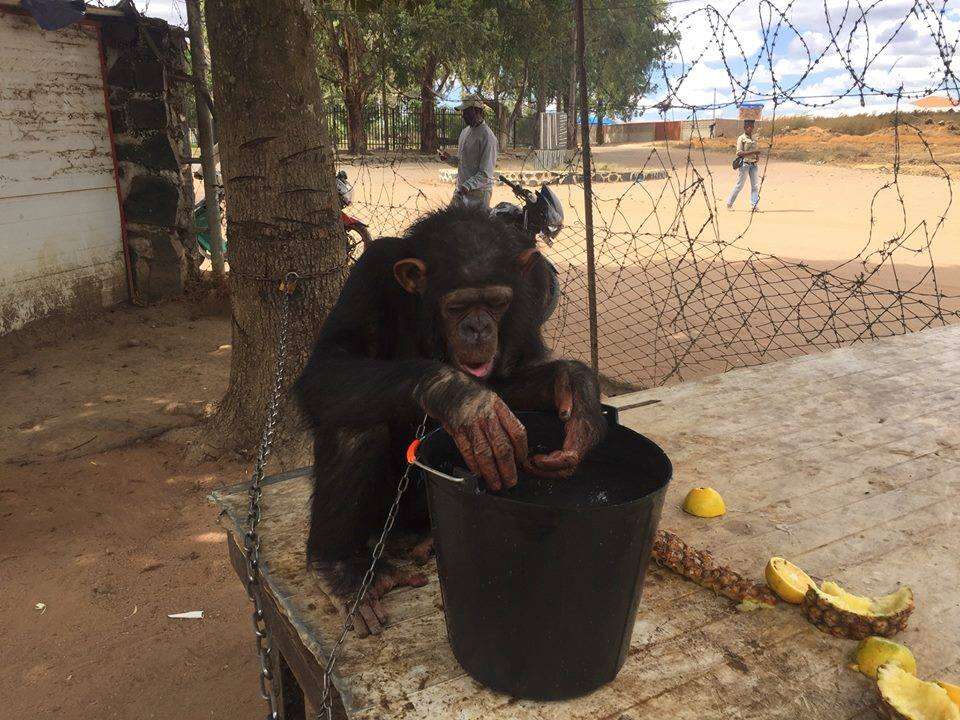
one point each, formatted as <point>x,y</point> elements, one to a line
<point>745,144</point>
<point>476,157</point>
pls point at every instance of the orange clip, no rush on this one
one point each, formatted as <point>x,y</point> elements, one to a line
<point>289,283</point>
<point>412,451</point>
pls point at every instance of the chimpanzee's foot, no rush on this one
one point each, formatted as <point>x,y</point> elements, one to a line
<point>422,551</point>
<point>341,580</point>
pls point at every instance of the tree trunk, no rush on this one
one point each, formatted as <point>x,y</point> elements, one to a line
<point>355,99</point>
<point>600,132</point>
<point>198,60</point>
<point>428,114</point>
<point>572,93</point>
<point>282,210</point>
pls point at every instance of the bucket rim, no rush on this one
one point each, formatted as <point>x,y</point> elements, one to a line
<point>460,483</point>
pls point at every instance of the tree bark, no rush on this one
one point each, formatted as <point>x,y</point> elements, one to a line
<point>572,94</point>
<point>282,210</point>
<point>198,61</point>
<point>600,131</point>
<point>354,99</point>
<point>428,114</point>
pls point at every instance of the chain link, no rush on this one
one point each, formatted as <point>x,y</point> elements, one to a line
<point>327,698</point>
<point>251,538</point>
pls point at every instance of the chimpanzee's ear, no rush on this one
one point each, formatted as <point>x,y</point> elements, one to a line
<point>525,259</point>
<point>411,273</point>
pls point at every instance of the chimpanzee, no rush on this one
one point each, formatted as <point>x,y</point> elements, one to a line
<point>444,321</point>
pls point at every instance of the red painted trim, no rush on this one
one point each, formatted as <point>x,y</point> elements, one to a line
<point>116,166</point>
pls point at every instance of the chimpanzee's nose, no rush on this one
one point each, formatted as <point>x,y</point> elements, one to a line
<point>477,327</point>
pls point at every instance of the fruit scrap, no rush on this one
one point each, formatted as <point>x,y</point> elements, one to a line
<point>953,691</point>
<point>876,651</point>
<point>905,697</point>
<point>700,567</point>
<point>835,611</point>
<point>787,580</point>
<point>704,502</point>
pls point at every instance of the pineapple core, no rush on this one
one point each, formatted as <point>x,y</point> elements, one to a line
<point>886,605</point>
<point>913,698</point>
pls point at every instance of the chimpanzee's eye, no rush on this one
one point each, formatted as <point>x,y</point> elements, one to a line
<point>499,305</point>
<point>456,309</point>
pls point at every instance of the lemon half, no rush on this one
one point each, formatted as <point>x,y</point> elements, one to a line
<point>787,580</point>
<point>875,651</point>
<point>704,502</point>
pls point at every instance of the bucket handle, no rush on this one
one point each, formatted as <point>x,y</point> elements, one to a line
<point>412,460</point>
<point>609,411</point>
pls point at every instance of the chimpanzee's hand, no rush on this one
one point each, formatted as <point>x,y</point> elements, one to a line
<point>577,400</point>
<point>490,438</point>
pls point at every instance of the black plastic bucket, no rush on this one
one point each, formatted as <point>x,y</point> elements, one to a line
<point>541,582</point>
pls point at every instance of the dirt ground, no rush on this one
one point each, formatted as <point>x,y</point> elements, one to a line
<point>105,527</point>
<point>679,274</point>
<point>924,143</point>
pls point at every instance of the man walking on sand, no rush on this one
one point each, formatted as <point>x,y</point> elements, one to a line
<point>476,157</point>
<point>749,151</point>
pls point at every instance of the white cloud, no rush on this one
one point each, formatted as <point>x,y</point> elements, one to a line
<point>815,47</point>
<point>173,11</point>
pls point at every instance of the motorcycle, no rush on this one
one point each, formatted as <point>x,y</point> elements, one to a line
<point>352,225</point>
<point>540,217</point>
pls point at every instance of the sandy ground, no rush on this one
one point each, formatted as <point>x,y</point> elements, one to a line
<point>105,527</point>
<point>688,287</point>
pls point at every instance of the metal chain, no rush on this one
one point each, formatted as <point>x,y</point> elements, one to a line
<point>327,700</point>
<point>251,540</point>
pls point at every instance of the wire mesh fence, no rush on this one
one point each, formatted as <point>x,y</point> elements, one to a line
<point>685,287</point>
<point>398,128</point>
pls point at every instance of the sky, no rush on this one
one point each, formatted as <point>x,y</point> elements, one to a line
<point>749,50</point>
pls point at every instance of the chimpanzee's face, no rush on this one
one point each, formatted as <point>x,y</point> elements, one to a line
<point>470,320</point>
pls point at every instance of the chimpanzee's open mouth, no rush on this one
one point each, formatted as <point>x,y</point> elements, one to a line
<point>478,370</point>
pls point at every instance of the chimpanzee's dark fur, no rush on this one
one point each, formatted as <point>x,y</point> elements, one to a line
<point>363,387</point>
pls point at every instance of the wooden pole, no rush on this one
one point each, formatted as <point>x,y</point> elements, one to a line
<point>587,188</point>
<point>198,61</point>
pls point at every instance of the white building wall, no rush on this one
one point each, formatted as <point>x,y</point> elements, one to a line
<point>60,237</point>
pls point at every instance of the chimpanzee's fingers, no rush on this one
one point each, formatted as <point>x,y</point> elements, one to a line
<point>483,454</point>
<point>412,579</point>
<point>578,437</point>
<point>557,460</point>
<point>502,450</point>
<point>466,450</point>
<point>537,469</point>
<point>516,432</point>
<point>563,393</point>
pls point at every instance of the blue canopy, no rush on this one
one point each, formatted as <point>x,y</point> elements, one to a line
<point>606,120</point>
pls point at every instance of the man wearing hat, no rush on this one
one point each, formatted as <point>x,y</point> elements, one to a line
<point>476,156</point>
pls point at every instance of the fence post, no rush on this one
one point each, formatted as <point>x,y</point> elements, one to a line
<point>587,189</point>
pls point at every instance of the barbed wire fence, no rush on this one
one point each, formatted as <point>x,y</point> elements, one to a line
<point>684,289</point>
<point>681,288</point>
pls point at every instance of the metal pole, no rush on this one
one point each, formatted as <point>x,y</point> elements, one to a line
<point>198,61</point>
<point>587,188</point>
